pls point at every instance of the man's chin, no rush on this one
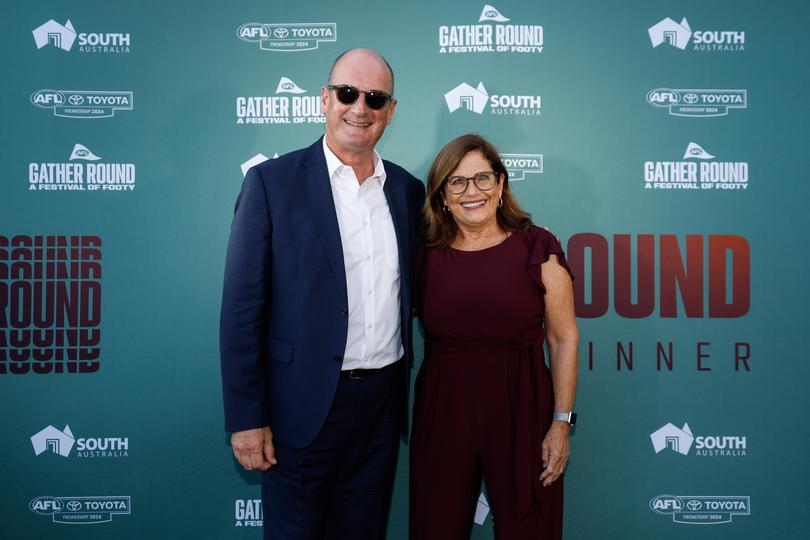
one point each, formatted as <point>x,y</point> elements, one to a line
<point>357,141</point>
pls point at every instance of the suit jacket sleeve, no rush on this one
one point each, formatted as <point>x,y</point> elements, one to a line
<point>244,304</point>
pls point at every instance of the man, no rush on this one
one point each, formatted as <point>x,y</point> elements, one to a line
<point>315,330</point>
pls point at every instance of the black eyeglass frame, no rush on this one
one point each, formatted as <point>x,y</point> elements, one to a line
<point>366,94</point>
<point>467,179</point>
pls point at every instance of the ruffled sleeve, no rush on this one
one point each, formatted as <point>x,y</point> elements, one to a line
<point>542,244</point>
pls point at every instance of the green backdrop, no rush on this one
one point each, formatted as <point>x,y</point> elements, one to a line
<point>676,271</point>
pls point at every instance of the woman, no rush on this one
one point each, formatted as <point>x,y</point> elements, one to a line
<point>491,285</point>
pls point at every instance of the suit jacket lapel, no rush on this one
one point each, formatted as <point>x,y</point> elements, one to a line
<point>318,194</point>
<point>394,190</point>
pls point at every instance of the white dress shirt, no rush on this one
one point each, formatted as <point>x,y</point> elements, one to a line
<point>371,260</point>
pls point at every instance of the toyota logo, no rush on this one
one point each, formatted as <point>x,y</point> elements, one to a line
<point>690,98</point>
<point>281,33</point>
<point>74,506</point>
<point>694,505</point>
<point>76,99</point>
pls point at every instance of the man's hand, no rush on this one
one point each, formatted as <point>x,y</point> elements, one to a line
<point>253,448</point>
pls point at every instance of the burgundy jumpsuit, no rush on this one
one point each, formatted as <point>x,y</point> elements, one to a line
<point>483,394</point>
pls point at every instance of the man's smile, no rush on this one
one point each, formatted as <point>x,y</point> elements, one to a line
<point>358,124</point>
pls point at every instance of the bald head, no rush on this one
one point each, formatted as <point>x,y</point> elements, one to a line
<point>365,56</point>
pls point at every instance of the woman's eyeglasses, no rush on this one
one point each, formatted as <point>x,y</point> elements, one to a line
<point>483,181</point>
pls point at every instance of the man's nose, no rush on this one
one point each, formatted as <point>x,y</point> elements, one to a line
<point>359,106</point>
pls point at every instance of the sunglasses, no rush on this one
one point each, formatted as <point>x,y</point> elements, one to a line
<point>347,94</point>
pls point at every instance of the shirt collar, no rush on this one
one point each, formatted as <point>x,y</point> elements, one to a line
<point>334,165</point>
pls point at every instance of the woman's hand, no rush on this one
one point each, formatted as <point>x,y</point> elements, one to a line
<point>555,452</point>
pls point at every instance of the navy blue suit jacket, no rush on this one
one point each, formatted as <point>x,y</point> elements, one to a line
<point>284,313</point>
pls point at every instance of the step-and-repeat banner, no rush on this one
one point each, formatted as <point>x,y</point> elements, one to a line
<point>665,143</point>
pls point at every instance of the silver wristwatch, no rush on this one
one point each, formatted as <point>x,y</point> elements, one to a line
<point>570,417</point>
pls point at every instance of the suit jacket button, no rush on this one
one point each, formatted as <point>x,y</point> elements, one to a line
<point>344,311</point>
<point>337,359</point>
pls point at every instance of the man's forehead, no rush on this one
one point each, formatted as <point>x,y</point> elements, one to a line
<point>361,64</point>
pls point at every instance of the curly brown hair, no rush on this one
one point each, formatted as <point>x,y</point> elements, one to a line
<point>440,228</point>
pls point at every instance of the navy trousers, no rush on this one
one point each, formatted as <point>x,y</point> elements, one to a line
<point>339,487</point>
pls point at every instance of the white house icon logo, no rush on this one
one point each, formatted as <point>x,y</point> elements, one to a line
<point>465,96</point>
<point>287,86</point>
<point>489,13</point>
<point>695,151</point>
<point>670,32</point>
<point>481,509</point>
<point>255,160</point>
<point>669,436</point>
<point>55,34</point>
<point>52,440</point>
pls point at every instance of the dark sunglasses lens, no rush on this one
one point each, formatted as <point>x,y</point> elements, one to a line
<point>347,94</point>
<point>376,100</point>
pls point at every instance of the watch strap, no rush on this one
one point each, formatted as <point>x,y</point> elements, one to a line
<point>569,417</point>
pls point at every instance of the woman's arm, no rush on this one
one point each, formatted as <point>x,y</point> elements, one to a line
<point>562,336</point>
